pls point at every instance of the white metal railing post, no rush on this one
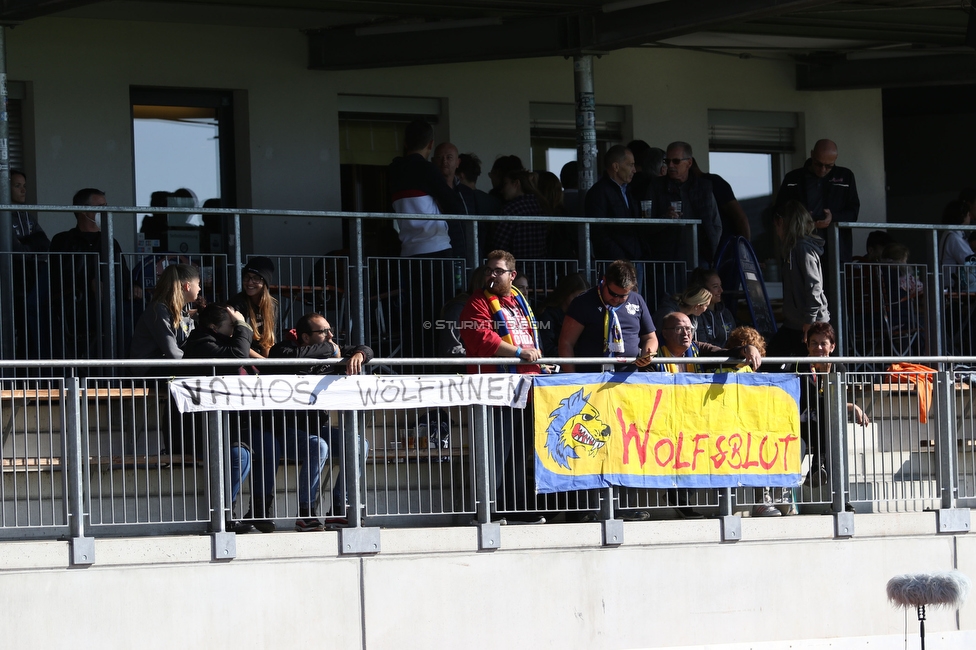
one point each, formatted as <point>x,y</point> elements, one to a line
<point>836,401</point>
<point>82,547</point>
<point>489,533</point>
<point>357,539</point>
<point>950,518</point>
<point>935,297</point>
<point>224,544</point>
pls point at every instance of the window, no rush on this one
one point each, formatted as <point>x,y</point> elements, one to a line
<point>553,133</point>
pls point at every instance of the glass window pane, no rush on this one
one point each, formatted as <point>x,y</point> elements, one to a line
<point>749,174</point>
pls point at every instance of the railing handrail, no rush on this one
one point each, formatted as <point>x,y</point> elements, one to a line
<point>338,214</point>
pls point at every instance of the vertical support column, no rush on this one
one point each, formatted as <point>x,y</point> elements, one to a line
<point>82,548</point>
<point>950,518</point>
<point>236,256</point>
<point>111,298</point>
<point>6,225</point>
<point>357,274</point>
<point>585,146</point>
<point>489,534</point>
<point>837,421</point>
<point>224,544</point>
<point>935,338</point>
<point>356,539</point>
<point>613,529</point>
<point>834,297</point>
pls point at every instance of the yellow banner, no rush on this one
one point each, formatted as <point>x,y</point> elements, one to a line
<point>666,430</point>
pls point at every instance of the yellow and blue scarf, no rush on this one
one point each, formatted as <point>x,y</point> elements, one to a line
<point>691,352</point>
<point>613,338</point>
<point>503,324</point>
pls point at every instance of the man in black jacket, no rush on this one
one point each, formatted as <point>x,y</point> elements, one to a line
<point>827,191</point>
<point>611,197</point>
<point>291,433</point>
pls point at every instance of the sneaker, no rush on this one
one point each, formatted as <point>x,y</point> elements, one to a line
<point>684,512</point>
<point>308,524</point>
<point>635,515</point>
<point>529,520</point>
<point>765,511</point>
<point>784,501</point>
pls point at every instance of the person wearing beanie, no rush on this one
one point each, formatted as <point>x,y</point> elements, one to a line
<point>257,305</point>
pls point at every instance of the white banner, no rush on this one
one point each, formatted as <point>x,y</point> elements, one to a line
<point>347,393</point>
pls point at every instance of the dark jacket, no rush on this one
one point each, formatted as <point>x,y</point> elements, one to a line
<point>204,343</point>
<point>290,349</point>
<point>839,195</point>
<point>613,242</point>
<point>698,202</point>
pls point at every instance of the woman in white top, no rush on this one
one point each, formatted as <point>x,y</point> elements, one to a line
<point>953,247</point>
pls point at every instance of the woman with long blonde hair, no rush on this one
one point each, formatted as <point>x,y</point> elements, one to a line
<point>804,301</point>
<point>166,324</point>
<point>258,306</point>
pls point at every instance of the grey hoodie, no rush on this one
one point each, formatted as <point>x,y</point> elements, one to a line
<point>804,301</point>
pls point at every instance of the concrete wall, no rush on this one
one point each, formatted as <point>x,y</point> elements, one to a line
<point>81,71</point>
<point>672,584</point>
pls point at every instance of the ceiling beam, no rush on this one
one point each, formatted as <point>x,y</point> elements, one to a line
<point>886,72</point>
<point>558,35</point>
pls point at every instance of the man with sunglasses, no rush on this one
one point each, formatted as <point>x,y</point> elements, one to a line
<point>827,191</point>
<point>683,195</point>
<point>609,320</point>
<point>303,435</point>
<point>497,321</point>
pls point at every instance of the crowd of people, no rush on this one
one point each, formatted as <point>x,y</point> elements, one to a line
<point>495,317</point>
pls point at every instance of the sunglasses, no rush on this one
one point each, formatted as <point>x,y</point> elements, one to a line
<point>614,293</point>
<point>675,161</point>
<point>327,330</point>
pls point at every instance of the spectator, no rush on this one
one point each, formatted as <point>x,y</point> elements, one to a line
<point>419,188</point>
<point>311,339</point>
<point>735,222</point>
<point>827,191</point>
<point>166,324</point>
<point>498,322</point>
<point>683,195</point>
<point>223,334</point>
<point>804,301</point>
<point>569,179</point>
<point>503,166</point>
<point>78,281</point>
<point>554,311</point>
<point>907,282</point>
<point>469,170</point>
<point>611,197</point>
<point>877,240</point>
<point>30,276</point>
<point>526,240</point>
<point>677,343</point>
<point>257,304</point>
<point>446,159</point>
<point>692,302</point>
<point>563,237</point>
<point>814,421</point>
<point>28,234</point>
<point>954,249</point>
<point>609,320</point>
<point>715,323</point>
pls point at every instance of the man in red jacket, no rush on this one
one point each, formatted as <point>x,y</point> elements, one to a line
<point>498,322</point>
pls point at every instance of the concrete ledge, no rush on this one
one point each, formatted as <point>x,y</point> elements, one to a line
<point>182,549</point>
<point>34,555</point>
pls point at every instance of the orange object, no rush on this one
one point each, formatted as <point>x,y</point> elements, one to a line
<point>923,377</point>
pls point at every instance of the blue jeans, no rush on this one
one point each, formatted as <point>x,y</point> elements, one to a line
<point>311,451</point>
<point>240,467</point>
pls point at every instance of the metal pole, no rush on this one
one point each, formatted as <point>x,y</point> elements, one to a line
<point>223,544</point>
<point>82,548</point>
<point>112,297</point>
<point>934,297</point>
<point>237,255</point>
<point>6,222</point>
<point>837,423</point>
<point>945,402</point>
<point>833,254</point>
<point>357,273</point>
<point>585,122</point>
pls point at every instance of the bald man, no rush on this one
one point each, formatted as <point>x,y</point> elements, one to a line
<point>827,190</point>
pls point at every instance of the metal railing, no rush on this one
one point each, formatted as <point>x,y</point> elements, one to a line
<point>111,455</point>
